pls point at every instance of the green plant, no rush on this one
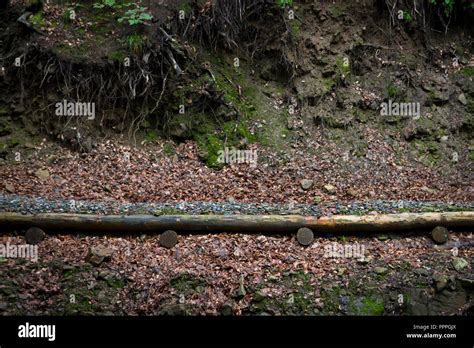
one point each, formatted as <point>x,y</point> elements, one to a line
<point>38,19</point>
<point>447,5</point>
<point>136,16</point>
<point>284,3</point>
<point>106,3</point>
<point>407,16</point>
<point>135,43</point>
<point>68,15</point>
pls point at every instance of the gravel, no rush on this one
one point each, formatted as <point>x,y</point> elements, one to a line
<point>35,205</point>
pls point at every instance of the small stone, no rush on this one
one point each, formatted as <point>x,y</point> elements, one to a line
<point>351,192</point>
<point>240,292</point>
<point>421,271</point>
<point>306,184</point>
<point>330,188</point>
<point>364,260</point>
<point>382,237</point>
<point>427,189</point>
<point>380,270</point>
<point>42,174</point>
<point>440,281</point>
<point>168,239</point>
<point>440,234</point>
<point>34,235</point>
<point>459,263</point>
<point>227,309</point>
<point>99,254</point>
<point>3,306</point>
<point>462,99</point>
<point>9,188</point>
<point>258,296</point>
<point>305,236</point>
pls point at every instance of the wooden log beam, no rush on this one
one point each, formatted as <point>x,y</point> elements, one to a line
<point>237,223</point>
<point>384,222</point>
<point>148,223</point>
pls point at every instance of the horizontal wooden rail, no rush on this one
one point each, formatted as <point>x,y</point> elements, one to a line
<point>237,223</point>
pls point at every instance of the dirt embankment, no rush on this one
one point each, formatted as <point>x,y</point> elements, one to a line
<point>306,93</point>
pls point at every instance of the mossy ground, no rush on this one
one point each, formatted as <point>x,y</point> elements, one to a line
<point>80,290</point>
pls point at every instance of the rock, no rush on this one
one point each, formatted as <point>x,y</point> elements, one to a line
<point>34,235</point>
<point>168,239</point>
<point>351,192</point>
<point>364,260</point>
<point>88,145</point>
<point>258,296</point>
<point>306,184</point>
<point>428,190</point>
<point>240,292</point>
<point>440,281</point>
<point>42,174</point>
<point>440,234</point>
<point>305,236</point>
<point>462,99</point>
<point>382,237</point>
<point>459,263</point>
<point>227,309</point>
<point>174,309</point>
<point>421,271</point>
<point>99,254</point>
<point>330,188</point>
<point>466,282</point>
<point>9,188</point>
<point>380,270</point>
<point>3,306</point>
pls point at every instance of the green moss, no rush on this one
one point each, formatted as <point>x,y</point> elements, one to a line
<point>135,43</point>
<point>336,11</point>
<point>186,7</point>
<point>38,20</point>
<point>295,27</point>
<point>167,211</point>
<point>394,92</point>
<point>151,134</point>
<point>342,66</point>
<point>428,151</point>
<point>328,84</point>
<point>372,306</point>
<point>169,149</point>
<point>471,155</point>
<point>468,71</point>
<point>296,300</point>
<point>185,283</point>
<point>118,55</point>
<point>410,60</point>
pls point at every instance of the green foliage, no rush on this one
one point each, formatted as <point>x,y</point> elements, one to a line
<point>447,5</point>
<point>38,19</point>
<point>407,16</point>
<point>136,16</point>
<point>68,15</point>
<point>106,3</point>
<point>284,3</point>
<point>135,43</point>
